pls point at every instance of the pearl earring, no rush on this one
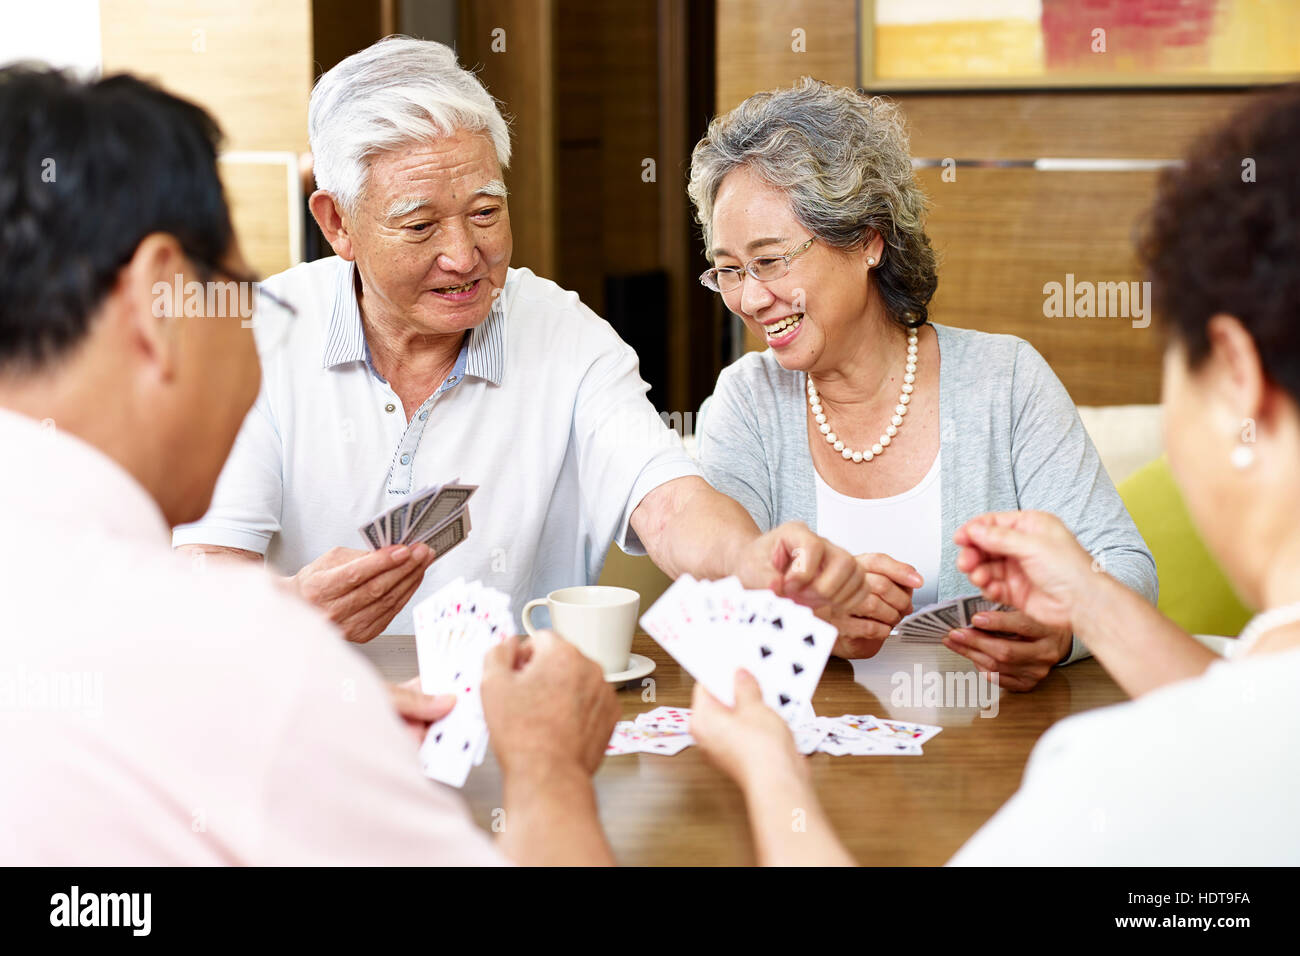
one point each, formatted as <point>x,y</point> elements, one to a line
<point>1243,456</point>
<point>871,260</point>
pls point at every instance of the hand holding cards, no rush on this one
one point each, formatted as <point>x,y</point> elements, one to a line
<point>437,517</point>
<point>714,628</point>
<point>931,624</point>
<point>454,629</point>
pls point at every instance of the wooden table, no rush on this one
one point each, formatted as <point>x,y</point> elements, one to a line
<point>888,810</point>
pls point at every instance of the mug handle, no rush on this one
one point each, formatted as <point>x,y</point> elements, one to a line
<point>527,614</point>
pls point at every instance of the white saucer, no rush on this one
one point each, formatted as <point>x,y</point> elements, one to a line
<point>638,666</point>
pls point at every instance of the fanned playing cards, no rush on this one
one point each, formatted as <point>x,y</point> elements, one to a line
<point>931,624</point>
<point>436,516</point>
<point>454,629</point>
<point>714,628</point>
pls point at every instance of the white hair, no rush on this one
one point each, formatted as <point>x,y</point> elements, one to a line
<point>393,93</point>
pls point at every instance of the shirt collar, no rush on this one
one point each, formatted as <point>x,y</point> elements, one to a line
<point>485,353</point>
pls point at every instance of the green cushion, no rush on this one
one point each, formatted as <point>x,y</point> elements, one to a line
<point>1193,590</point>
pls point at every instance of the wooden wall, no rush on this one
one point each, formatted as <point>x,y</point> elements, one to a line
<point>1003,233</point>
<point>607,126</point>
<point>597,91</point>
<point>246,61</point>
<point>249,64</point>
<point>522,77</point>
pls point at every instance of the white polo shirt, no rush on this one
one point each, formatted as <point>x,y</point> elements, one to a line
<point>545,411</point>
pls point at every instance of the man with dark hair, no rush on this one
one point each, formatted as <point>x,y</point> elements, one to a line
<point>155,710</point>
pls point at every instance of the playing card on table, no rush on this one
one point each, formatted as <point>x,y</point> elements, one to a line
<point>666,718</point>
<point>714,628</point>
<point>808,736</point>
<point>868,734</point>
<point>901,731</point>
<point>635,737</point>
<point>666,745</point>
<point>622,741</point>
<point>862,736</point>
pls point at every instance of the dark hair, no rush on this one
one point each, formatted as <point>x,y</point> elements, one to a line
<point>1224,236</point>
<point>87,170</point>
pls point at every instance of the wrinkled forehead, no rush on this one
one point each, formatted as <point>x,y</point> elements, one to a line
<point>452,169</point>
<point>749,216</point>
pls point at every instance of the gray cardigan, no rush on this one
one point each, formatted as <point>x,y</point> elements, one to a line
<point>1010,435</point>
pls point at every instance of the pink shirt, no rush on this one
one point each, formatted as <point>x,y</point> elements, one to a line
<point>157,709</point>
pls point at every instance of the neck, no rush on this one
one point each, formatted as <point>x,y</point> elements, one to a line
<point>1281,585</point>
<point>404,354</point>
<point>95,406</point>
<point>867,373</point>
<point>1279,578</point>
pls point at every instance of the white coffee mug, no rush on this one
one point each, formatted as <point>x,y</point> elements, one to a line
<point>596,619</point>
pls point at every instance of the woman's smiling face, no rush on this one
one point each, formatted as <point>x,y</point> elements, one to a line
<point>808,315</point>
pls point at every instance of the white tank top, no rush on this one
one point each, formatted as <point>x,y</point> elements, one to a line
<point>907,527</point>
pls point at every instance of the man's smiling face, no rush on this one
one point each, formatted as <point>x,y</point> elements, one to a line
<point>431,237</point>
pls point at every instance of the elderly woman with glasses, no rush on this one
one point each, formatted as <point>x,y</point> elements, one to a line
<point>1211,779</point>
<point>882,431</point>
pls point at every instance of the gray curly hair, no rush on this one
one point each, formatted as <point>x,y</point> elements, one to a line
<point>844,161</point>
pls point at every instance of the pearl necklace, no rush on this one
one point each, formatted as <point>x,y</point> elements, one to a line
<point>1267,621</point>
<point>904,398</point>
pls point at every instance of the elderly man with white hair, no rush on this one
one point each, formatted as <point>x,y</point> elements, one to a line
<point>419,356</point>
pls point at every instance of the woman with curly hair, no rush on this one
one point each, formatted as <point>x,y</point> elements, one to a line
<point>877,428</point>
<point>1201,767</point>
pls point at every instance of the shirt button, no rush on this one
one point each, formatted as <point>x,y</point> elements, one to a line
<point>423,415</point>
<point>406,459</point>
<point>390,407</point>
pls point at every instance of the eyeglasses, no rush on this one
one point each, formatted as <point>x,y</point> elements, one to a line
<point>762,268</point>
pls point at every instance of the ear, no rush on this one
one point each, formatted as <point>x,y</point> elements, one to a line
<point>873,249</point>
<point>1235,374</point>
<point>329,216</point>
<point>152,301</point>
